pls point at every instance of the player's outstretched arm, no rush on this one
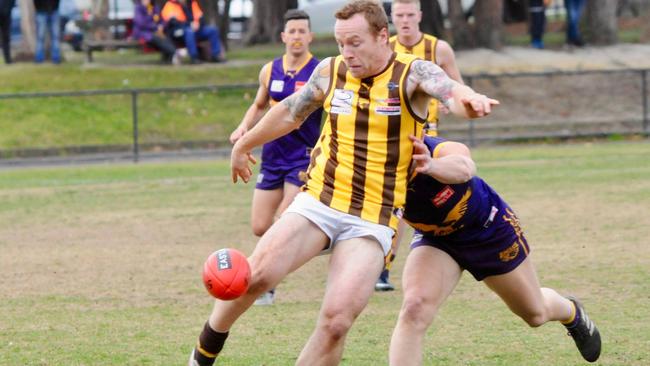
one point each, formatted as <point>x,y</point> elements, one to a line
<point>283,118</point>
<point>452,163</point>
<point>257,109</point>
<point>459,99</point>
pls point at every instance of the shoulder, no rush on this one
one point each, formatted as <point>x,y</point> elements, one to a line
<point>444,49</point>
<point>440,147</point>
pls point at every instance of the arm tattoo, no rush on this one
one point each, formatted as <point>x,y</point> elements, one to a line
<point>433,80</point>
<point>310,96</point>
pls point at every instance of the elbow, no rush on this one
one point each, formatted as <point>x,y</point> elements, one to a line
<point>468,171</point>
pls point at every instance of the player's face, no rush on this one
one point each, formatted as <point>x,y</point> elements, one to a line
<point>361,50</point>
<point>406,18</point>
<point>297,36</point>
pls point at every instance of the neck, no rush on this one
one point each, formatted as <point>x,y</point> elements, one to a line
<point>383,59</point>
<point>409,41</point>
<point>295,61</point>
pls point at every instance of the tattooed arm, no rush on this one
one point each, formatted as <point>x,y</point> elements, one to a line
<point>429,79</point>
<point>283,118</point>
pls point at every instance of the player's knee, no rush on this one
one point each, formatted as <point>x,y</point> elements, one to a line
<point>418,312</point>
<point>259,227</point>
<point>336,325</point>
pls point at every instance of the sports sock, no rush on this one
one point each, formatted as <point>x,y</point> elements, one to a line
<point>575,316</point>
<point>210,344</point>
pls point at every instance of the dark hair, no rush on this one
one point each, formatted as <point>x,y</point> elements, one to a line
<point>372,10</point>
<point>295,14</point>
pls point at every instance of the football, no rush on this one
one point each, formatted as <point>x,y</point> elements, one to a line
<point>226,273</point>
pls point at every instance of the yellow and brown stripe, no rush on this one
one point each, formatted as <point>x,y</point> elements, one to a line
<point>425,49</point>
<point>364,151</point>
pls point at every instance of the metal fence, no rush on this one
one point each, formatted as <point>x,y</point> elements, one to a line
<point>535,105</point>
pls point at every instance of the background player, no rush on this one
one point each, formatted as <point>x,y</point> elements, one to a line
<point>461,223</point>
<point>284,159</point>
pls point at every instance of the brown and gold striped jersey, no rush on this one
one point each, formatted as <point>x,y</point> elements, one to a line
<point>360,163</point>
<point>425,49</point>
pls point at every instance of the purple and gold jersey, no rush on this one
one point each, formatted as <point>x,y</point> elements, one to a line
<point>440,209</point>
<point>294,148</point>
<point>468,221</point>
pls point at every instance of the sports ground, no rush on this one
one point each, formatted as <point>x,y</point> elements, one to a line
<point>100,264</point>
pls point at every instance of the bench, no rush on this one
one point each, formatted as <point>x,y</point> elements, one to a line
<point>113,26</point>
<point>90,46</point>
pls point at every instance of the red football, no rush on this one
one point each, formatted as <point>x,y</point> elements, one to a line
<point>226,273</point>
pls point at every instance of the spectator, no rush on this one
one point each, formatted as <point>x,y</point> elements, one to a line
<point>5,28</point>
<point>537,10</point>
<point>184,20</point>
<point>573,12</point>
<point>47,17</point>
<point>148,28</point>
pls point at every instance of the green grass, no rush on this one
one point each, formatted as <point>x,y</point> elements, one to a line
<point>100,265</point>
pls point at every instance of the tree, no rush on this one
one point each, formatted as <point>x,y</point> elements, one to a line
<point>267,20</point>
<point>600,22</point>
<point>28,26</point>
<point>488,18</point>
<point>461,33</point>
<point>432,18</point>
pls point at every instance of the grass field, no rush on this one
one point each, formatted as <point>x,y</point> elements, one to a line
<point>100,265</point>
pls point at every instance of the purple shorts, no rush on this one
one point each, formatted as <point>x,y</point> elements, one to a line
<point>271,178</point>
<point>483,251</point>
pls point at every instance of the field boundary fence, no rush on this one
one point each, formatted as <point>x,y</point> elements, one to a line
<point>534,105</point>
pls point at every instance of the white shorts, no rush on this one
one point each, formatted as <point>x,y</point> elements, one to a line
<point>339,225</point>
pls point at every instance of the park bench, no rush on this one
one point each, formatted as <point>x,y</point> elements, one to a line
<point>114,26</point>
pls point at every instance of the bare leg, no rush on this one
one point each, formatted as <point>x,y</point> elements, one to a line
<point>289,193</point>
<point>265,205</point>
<point>430,275</point>
<point>520,290</point>
<point>353,270</point>
<point>288,244</point>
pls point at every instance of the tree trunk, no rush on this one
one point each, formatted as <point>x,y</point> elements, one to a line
<point>223,22</point>
<point>460,31</point>
<point>488,17</point>
<point>27,27</point>
<point>99,10</point>
<point>432,18</point>
<point>600,22</point>
<point>267,21</point>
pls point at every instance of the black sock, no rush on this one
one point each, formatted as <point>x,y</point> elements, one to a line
<point>210,344</point>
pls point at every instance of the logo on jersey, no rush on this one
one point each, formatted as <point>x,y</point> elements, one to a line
<point>277,85</point>
<point>443,196</point>
<point>510,253</point>
<point>342,101</point>
<point>299,84</point>
<point>392,85</point>
<point>389,110</point>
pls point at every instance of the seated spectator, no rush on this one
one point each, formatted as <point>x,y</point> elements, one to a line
<point>148,27</point>
<point>184,20</point>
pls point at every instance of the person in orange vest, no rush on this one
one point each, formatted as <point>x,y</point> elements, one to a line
<point>184,21</point>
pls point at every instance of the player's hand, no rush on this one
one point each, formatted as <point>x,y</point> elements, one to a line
<point>239,167</point>
<point>421,156</point>
<point>237,134</point>
<point>478,105</point>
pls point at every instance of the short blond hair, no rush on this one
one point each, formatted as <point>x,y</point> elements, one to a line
<point>416,2</point>
<point>372,11</point>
